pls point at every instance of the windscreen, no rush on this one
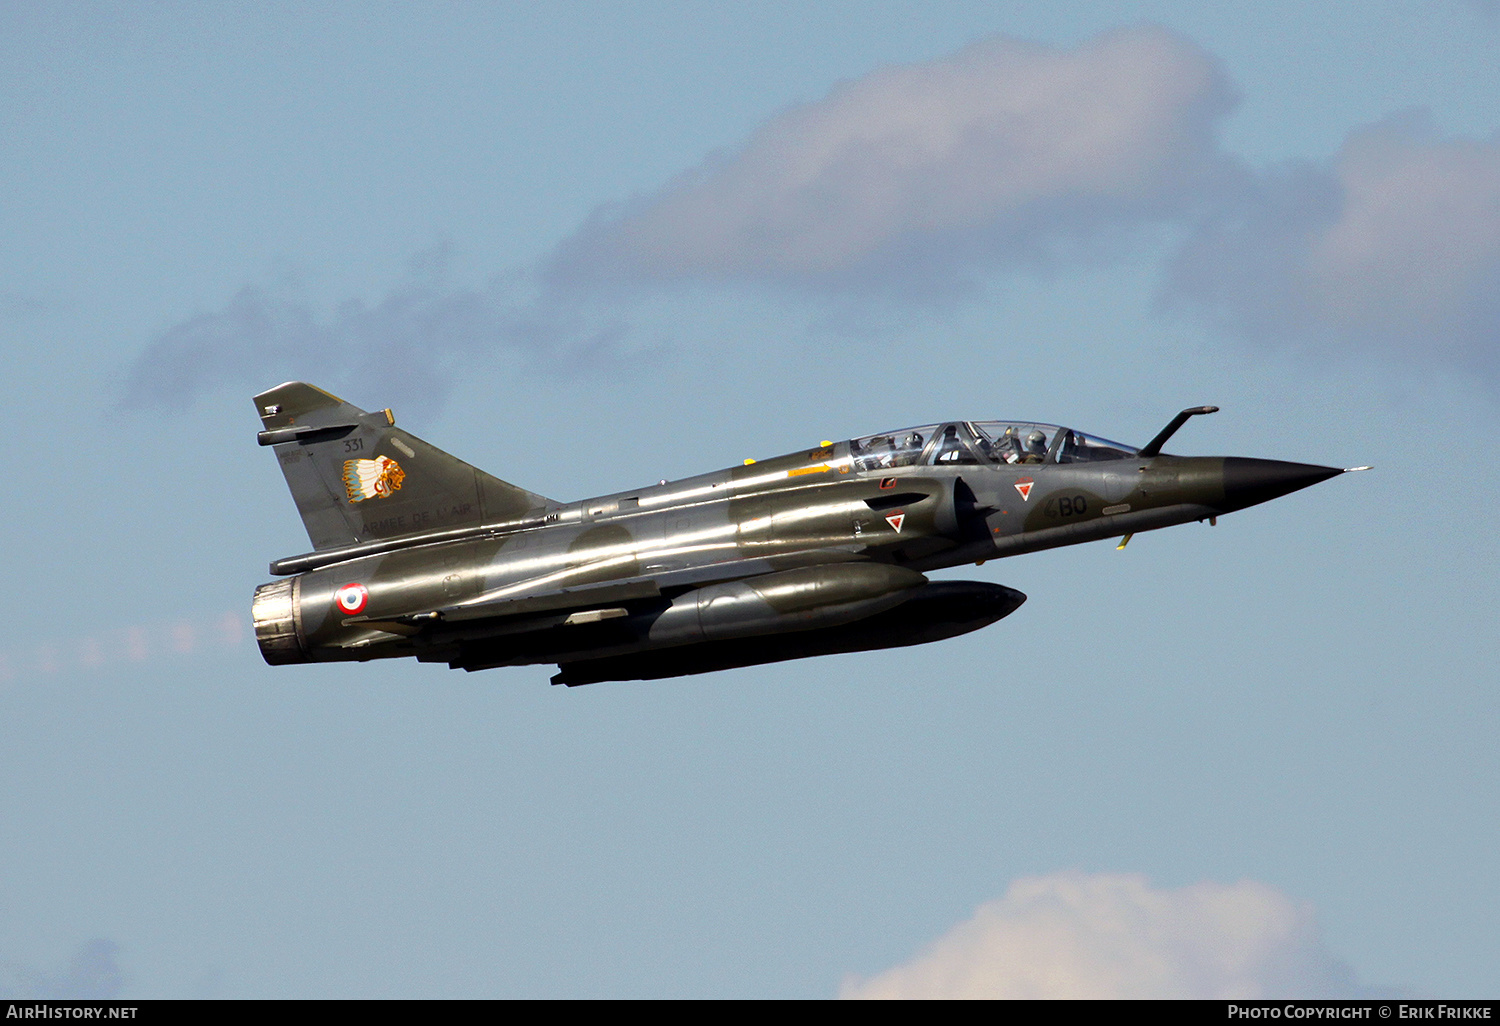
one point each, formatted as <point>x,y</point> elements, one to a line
<point>980,443</point>
<point>893,449</point>
<point>1078,447</point>
<point>1010,442</point>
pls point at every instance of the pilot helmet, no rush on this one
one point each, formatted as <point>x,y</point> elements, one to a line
<point>1036,442</point>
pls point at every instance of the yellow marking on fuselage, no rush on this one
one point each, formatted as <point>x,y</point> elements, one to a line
<point>821,468</point>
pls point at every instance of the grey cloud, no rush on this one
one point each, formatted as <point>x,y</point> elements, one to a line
<point>1004,152</point>
<point>911,183</point>
<point>1395,246</point>
<point>398,346</point>
<point>92,974</point>
<point>1006,155</point>
<point>15,306</point>
<point>1112,936</point>
<point>405,348</point>
<point>1242,263</point>
<point>900,181</point>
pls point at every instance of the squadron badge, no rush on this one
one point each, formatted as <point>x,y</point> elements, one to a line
<point>372,479</point>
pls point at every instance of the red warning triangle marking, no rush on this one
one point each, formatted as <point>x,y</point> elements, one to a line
<point>1024,487</point>
<point>895,520</point>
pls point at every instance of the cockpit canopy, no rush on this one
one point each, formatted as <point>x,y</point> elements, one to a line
<point>982,443</point>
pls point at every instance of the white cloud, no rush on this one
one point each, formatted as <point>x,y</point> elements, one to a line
<point>1395,245</point>
<point>1001,150</point>
<point>910,180</point>
<point>1072,935</point>
<point>1009,154</point>
<point>1418,239</point>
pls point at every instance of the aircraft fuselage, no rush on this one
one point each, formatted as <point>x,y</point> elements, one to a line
<point>818,551</point>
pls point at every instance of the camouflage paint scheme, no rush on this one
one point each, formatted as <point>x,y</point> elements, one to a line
<point>416,553</point>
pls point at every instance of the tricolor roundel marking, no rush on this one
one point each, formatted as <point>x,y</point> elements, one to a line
<point>351,598</point>
<point>1023,485</point>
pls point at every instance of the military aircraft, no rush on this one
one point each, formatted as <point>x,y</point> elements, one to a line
<point>824,550</point>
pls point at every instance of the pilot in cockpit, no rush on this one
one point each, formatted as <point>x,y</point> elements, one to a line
<point>1008,448</point>
<point>1036,447</point>
<point>953,449</point>
<point>950,449</point>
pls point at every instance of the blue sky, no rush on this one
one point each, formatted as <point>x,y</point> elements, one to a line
<point>590,245</point>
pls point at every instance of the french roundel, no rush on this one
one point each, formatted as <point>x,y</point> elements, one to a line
<point>351,598</point>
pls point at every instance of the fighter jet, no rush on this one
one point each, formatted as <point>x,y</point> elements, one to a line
<point>824,550</point>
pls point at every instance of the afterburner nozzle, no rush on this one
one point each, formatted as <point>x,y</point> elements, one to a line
<point>274,612</point>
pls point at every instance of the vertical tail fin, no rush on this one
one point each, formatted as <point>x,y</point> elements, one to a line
<point>356,477</point>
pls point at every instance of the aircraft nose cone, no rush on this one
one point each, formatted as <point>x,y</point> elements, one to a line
<point>1249,481</point>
